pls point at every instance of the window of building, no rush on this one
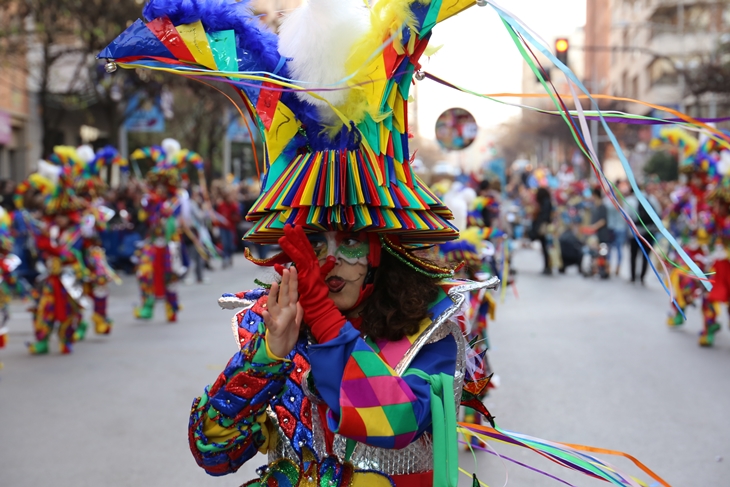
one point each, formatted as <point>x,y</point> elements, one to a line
<point>662,72</point>
<point>635,87</point>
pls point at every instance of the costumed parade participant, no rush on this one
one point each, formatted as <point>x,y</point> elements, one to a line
<point>90,186</point>
<point>9,284</point>
<point>161,261</point>
<point>690,215</point>
<point>717,259</point>
<point>58,287</point>
<point>473,257</point>
<point>351,367</point>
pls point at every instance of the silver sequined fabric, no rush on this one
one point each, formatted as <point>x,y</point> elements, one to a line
<point>418,456</point>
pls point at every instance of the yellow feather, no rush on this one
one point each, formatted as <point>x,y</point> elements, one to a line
<point>386,18</point>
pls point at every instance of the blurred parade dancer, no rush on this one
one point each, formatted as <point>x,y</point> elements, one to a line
<point>719,229</point>
<point>476,256</point>
<point>161,262</point>
<point>90,186</point>
<point>699,217</point>
<point>59,287</point>
<point>9,284</point>
<point>691,221</point>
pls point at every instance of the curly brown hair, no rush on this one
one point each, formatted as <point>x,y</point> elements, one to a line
<point>400,300</point>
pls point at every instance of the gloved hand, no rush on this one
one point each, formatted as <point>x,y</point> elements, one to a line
<point>320,312</point>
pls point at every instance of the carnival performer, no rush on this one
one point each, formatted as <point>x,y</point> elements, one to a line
<point>9,284</point>
<point>355,274</point>
<point>59,285</point>
<point>473,257</point>
<point>691,219</point>
<point>160,259</point>
<point>90,186</point>
<point>351,366</point>
<point>718,259</point>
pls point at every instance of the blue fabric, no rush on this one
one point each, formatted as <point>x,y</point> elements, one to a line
<point>227,242</point>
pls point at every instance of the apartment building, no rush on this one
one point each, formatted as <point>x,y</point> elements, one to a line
<point>654,41</point>
<point>14,109</point>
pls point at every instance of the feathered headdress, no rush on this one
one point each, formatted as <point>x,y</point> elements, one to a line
<point>43,181</point>
<point>336,141</point>
<point>683,143</point>
<point>6,239</point>
<point>88,176</point>
<point>65,168</point>
<point>171,162</point>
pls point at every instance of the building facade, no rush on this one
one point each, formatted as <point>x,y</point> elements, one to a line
<point>597,46</point>
<point>13,118</point>
<point>655,41</point>
<point>14,107</point>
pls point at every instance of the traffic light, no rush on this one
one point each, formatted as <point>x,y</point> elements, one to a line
<point>561,50</point>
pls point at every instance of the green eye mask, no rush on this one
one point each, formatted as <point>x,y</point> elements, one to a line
<point>353,252</point>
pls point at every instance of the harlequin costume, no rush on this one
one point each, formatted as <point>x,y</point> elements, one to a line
<point>9,284</point>
<point>59,288</point>
<point>474,261</point>
<point>89,185</point>
<point>717,259</point>
<point>339,408</point>
<point>694,221</point>
<point>161,263</point>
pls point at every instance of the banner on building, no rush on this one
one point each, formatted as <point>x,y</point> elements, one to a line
<point>237,131</point>
<point>145,114</point>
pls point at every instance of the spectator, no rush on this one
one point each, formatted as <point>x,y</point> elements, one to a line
<point>543,217</point>
<point>197,223</point>
<point>228,208</point>
<point>619,229</point>
<point>645,227</point>
<point>599,218</point>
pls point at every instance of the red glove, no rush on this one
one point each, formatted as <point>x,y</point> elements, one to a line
<point>320,312</point>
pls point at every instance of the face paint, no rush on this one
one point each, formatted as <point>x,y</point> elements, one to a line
<point>346,280</point>
<point>351,248</point>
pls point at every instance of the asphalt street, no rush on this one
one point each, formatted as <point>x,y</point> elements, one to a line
<point>579,360</point>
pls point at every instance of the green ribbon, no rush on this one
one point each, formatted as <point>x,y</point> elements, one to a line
<point>170,227</point>
<point>443,426</point>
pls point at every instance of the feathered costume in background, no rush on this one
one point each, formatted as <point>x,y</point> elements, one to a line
<point>90,185</point>
<point>161,260</point>
<point>9,285</point>
<point>700,216</point>
<point>329,98</point>
<point>59,289</point>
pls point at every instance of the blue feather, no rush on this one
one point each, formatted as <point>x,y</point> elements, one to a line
<point>257,50</point>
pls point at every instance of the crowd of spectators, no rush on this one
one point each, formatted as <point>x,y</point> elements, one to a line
<point>218,220</point>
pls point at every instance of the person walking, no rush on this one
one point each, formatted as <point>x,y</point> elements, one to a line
<point>619,229</point>
<point>230,210</point>
<point>543,217</point>
<point>645,227</point>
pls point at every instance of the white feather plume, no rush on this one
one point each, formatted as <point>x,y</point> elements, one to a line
<point>231,301</point>
<point>170,147</point>
<point>723,165</point>
<point>318,39</point>
<point>86,153</point>
<point>49,171</point>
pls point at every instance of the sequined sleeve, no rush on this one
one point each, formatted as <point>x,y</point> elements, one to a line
<point>368,402</point>
<point>228,422</point>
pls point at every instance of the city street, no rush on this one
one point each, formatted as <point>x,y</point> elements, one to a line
<point>580,361</point>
